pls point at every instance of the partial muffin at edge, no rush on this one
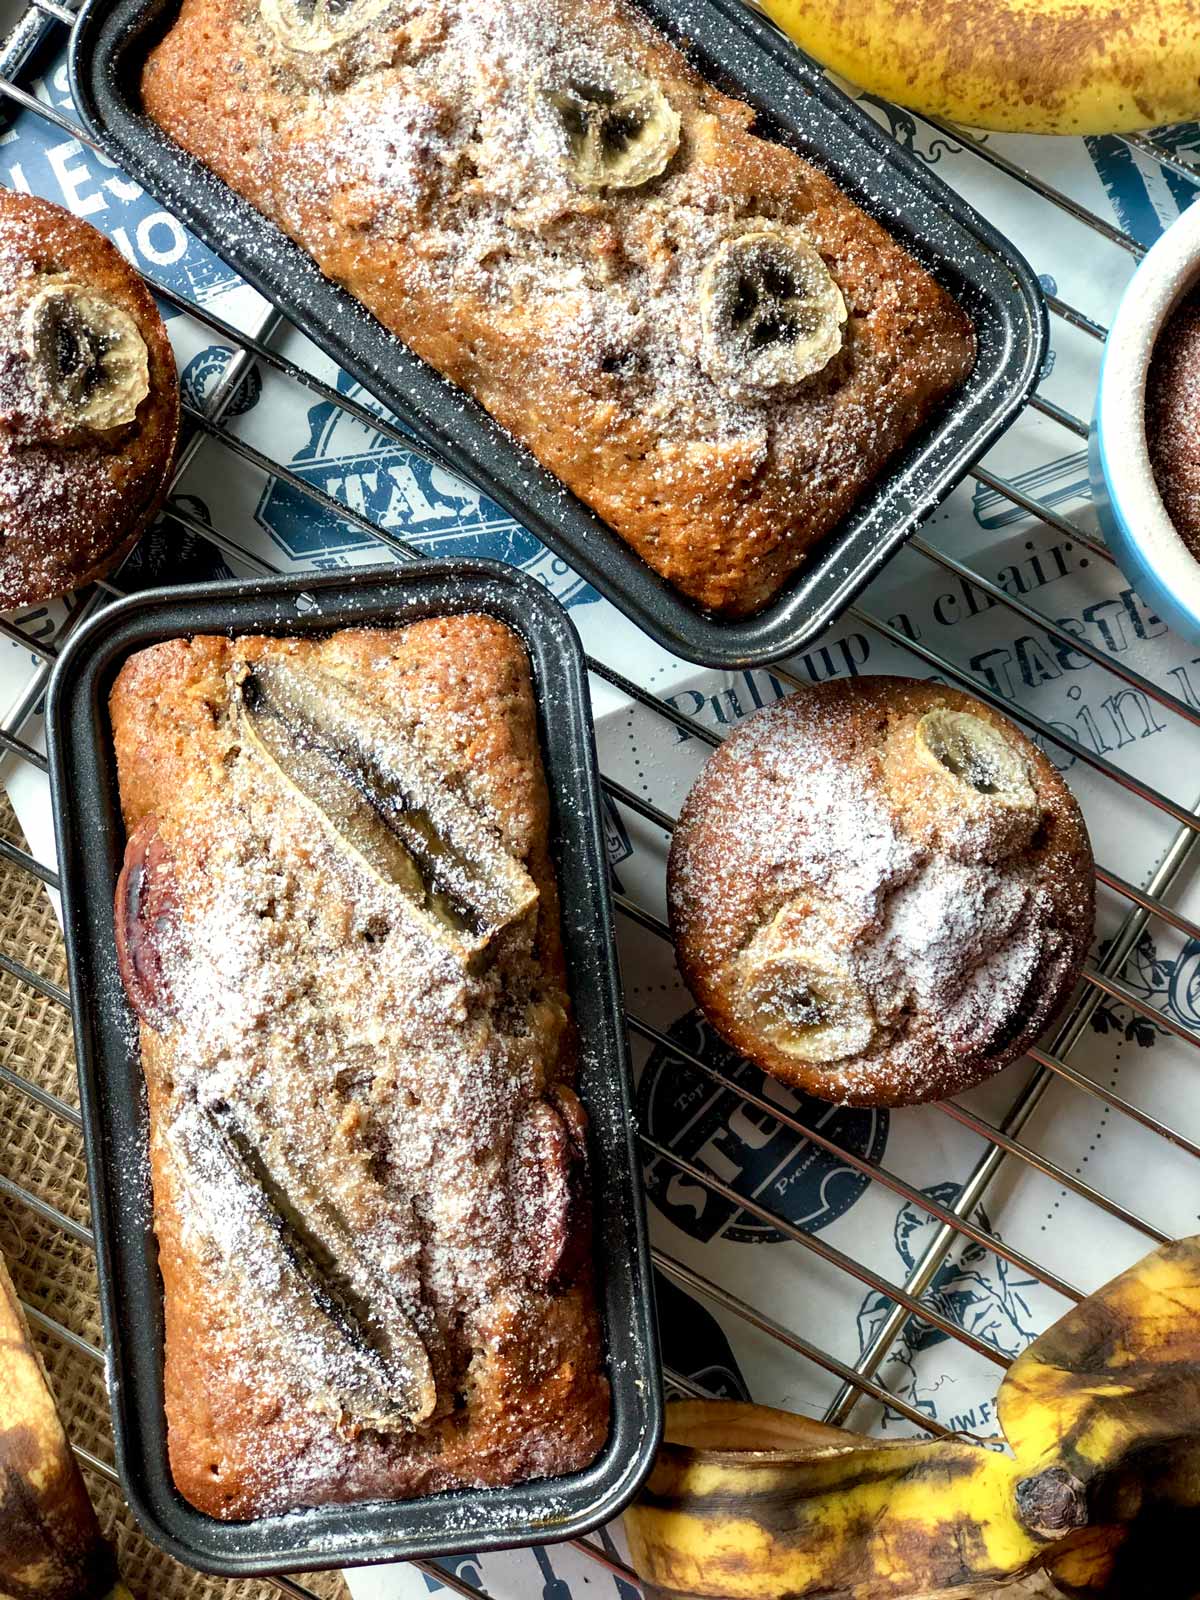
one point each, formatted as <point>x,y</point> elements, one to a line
<point>89,402</point>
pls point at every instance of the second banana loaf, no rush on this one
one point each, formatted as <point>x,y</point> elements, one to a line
<point>696,330</point>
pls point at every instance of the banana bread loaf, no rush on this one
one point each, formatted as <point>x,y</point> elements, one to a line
<point>89,402</point>
<point>696,330</point>
<point>338,925</point>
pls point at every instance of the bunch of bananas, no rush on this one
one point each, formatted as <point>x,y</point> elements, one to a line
<point>1025,66</point>
<point>50,1544</point>
<point>1097,1497</point>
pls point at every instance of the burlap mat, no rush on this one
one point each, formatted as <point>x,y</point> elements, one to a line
<point>43,1154</point>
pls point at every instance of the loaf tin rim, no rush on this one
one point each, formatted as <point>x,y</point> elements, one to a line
<point>762,67</point>
<point>83,793</point>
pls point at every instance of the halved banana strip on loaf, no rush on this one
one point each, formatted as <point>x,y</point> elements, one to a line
<point>314,26</point>
<point>366,1369</point>
<point>960,783</point>
<point>771,313</point>
<point>800,992</point>
<point>383,799</point>
<point>615,128</point>
<point>87,358</point>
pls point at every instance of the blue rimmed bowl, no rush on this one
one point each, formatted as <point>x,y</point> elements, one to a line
<point>1132,516</point>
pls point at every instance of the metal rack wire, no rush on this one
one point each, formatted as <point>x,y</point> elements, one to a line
<point>1002,1140</point>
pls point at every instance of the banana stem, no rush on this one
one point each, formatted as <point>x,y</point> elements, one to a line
<point>1052,1503</point>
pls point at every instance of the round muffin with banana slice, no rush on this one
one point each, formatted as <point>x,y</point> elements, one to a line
<point>89,402</point>
<point>880,891</point>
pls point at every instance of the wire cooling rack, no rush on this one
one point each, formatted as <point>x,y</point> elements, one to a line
<point>1103,982</point>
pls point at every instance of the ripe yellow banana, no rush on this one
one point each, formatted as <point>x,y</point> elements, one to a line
<point>1099,1499</point>
<point>50,1544</point>
<point>1025,66</point>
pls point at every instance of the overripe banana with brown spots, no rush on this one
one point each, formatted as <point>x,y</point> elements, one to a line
<point>1025,66</point>
<point>1111,1394</point>
<point>1097,1498</point>
<point>50,1544</point>
<point>828,1513</point>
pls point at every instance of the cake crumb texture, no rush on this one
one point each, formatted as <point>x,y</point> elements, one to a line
<point>1173,419</point>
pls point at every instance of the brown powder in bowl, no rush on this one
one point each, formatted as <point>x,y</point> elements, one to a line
<point>1173,418</point>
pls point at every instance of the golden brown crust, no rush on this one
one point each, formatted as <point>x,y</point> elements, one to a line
<point>518,1366</point>
<point>70,511</point>
<point>948,944</point>
<point>460,243</point>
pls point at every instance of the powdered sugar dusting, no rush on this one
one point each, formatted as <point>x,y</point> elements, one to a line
<point>951,958</point>
<point>425,166</point>
<point>461,144</point>
<point>352,1107</point>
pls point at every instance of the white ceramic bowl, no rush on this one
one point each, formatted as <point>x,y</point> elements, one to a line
<point>1135,522</point>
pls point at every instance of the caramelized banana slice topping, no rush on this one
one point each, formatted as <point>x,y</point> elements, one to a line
<point>771,314</point>
<point>548,1179</point>
<point>801,994</point>
<point>974,754</point>
<point>313,27</point>
<point>384,800</point>
<point>366,1370</point>
<point>960,782</point>
<point>618,133</point>
<point>87,358</point>
<point>146,925</point>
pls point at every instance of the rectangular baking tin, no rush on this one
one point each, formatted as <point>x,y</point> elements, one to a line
<point>91,842</point>
<point>797,105</point>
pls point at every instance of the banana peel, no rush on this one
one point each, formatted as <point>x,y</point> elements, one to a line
<point>1097,1496</point>
<point>50,1543</point>
<point>1122,1367</point>
<point>751,1524</point>
<point>1111,1393</point>
<point>1018,66</point>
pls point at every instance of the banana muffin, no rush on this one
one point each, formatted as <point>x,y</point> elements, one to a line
<point>880,891</point>
<point>89,402</point>
<point>338,926</point>
<point>703,337</point>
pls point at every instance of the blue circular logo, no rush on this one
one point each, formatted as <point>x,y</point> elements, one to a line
<point>753,1154</point>
<point>205,370</point>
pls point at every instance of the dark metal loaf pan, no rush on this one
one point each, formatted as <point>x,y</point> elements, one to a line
<point>91,841</point>
<point>798,105</point>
